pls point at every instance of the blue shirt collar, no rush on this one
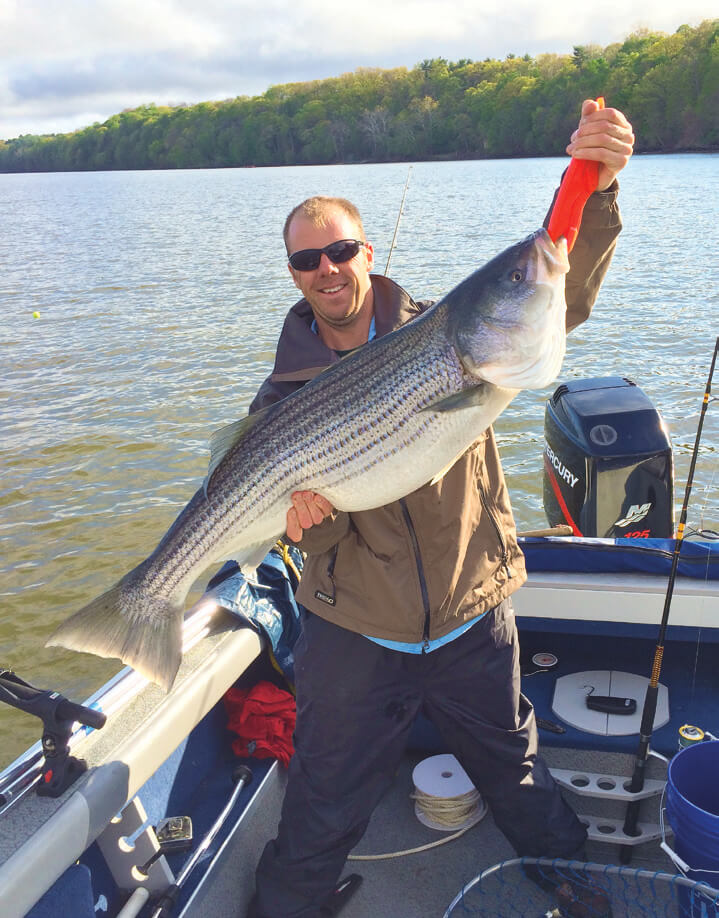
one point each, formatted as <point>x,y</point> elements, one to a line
<point>372,329</point>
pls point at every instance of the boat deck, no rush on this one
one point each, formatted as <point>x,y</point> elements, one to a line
<point>420,885</point>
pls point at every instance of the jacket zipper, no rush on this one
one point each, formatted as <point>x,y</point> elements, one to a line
<point>330,599</point>
<point>497,528</point>
<point>420,573</point>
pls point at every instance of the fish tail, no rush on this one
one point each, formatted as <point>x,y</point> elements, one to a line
<point>144,631</point>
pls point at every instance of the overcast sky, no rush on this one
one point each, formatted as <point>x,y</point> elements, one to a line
<point>64,65</point>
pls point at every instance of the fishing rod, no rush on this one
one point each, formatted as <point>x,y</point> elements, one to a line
<point>650,700</point>
<point>399,217</point>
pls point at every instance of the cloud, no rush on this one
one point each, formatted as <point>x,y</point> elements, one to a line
<point>114,75</point>
<point>61,64</point>
<point>34,29</point>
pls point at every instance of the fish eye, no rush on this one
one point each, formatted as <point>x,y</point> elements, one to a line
<point>516,276</point>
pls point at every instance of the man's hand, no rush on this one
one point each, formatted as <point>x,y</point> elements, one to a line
<point>308,509</point>
<point>605,136</point>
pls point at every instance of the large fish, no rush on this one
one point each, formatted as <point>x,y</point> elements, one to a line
<point>379,424</point>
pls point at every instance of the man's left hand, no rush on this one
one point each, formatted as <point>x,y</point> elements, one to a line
<point>605,136</point>
<point>308,509</point>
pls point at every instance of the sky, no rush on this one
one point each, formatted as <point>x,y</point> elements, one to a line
<point>65,65</point>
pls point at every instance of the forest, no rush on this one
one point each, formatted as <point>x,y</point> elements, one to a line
<point>667,85</point>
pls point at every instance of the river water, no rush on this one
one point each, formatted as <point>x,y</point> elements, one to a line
<point>160,295</point>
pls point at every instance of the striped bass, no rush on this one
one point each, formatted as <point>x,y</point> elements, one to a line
<point>372,428</point>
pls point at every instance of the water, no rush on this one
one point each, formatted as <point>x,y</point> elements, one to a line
<point>161,296</point>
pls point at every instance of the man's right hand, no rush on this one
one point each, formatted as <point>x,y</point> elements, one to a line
<point>308,509</point>
<point>605,136</point>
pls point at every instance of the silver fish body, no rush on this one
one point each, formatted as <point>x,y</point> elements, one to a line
<point>372,428</point>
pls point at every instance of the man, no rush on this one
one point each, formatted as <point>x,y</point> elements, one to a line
<point>408,605</point>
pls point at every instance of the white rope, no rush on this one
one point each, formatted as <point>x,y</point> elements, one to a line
<point>448,812</point>
<point>434,844</point>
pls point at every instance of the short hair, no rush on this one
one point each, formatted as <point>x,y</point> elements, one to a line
<point>318,210</point>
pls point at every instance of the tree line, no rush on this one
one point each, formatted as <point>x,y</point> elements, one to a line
<point>667,85</point>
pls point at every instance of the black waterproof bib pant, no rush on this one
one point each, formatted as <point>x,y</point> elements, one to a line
<point>356,703</point>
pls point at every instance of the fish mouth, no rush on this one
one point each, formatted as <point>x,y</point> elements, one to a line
<point>555,254</point>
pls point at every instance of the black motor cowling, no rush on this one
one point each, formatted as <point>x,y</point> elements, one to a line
<point>608,465</point>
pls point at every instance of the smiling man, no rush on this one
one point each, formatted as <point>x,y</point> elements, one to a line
<point>339,291</point>
<point>407,606</point>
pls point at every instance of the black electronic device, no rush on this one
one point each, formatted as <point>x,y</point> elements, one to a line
<point>609,704</point>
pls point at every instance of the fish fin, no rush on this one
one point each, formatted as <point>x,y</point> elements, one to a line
<point>252,557</point>
<point>447,467</point>
<point>147,637</point>
<point>222,440</point>
<point>466,398</point>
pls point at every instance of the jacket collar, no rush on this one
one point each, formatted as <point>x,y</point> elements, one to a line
<point>302,355</point>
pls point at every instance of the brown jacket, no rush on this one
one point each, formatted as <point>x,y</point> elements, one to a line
<point>418,568</point>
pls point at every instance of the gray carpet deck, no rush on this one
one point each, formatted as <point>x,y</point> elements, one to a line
<point>418,885</point>
<point>423,885</point>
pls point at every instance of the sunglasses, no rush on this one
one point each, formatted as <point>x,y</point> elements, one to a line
<point>337,252</point>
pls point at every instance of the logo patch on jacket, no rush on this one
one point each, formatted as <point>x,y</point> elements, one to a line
<point>324,597</point>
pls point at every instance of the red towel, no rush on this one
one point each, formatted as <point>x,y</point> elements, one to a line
<point>263,718</point>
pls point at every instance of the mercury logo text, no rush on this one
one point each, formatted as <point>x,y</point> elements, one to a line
<point>562,470</point>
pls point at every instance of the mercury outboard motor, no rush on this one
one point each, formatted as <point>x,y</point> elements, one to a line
<point>608,465</point>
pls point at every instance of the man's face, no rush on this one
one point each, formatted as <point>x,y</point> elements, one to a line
<point>336,293</point>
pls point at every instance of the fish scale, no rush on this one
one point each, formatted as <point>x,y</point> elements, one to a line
<point>345,452</point>
<point>328,448</point>
<point>377,425</point>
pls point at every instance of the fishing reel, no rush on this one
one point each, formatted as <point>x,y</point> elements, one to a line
<point>58,716</point>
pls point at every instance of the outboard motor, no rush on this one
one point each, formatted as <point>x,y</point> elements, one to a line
<point>608,465</point>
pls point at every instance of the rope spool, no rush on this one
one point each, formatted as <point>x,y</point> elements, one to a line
<point>456,813</point>
<point>444,797</point>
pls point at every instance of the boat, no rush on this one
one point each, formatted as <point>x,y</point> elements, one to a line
<point>164,814</point>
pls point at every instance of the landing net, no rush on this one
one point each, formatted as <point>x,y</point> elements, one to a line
<point>543,888</point>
